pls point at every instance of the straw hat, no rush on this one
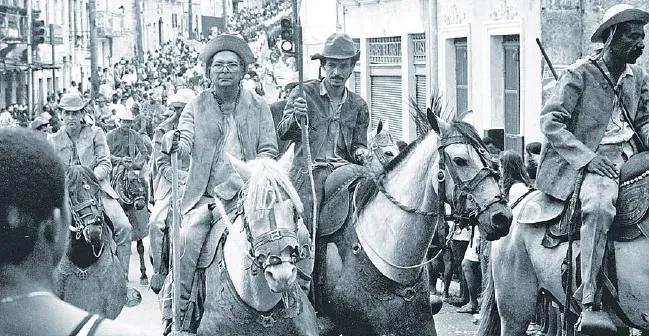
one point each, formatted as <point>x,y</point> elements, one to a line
<point>123,114</point>
<point>182,97</point>
<point>616,15</point>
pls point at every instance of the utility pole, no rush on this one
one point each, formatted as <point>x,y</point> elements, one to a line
<point>53,57</point>
<point>92,23</point>
<point>191,21</point>
<point>30,69</point>
<point>139,45</point>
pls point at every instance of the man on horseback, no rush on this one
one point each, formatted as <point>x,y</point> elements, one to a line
<point>222,119</point>
<point>161,174</point>
<point>338,122</point>
<point>79,143</point>
<point>596,118</point>
<point>125,144</point>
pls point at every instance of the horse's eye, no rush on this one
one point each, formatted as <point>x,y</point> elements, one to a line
<point>460,161</point>
<point>274,260</point>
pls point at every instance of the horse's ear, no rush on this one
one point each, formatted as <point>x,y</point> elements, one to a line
<point>379,127</point>
<point>286,161</point>
<point>241,167</point>
<point>438,125</point>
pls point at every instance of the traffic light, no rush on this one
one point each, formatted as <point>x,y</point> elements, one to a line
<point>287,36</point>
<point>38,32</point>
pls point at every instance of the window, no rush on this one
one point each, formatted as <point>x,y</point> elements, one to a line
<point>461,75</point>
<point>511,55</point>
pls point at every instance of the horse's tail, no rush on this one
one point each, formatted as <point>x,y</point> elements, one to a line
<point>489,316</point>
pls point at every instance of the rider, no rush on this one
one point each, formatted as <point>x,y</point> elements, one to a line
<point>126,144</point>
<point>161,173</point>
<point>338,122</point>
<point>222,119</point>
<point>79,143</point>
<point>587,126</point>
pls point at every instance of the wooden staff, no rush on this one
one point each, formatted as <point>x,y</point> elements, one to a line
<point>547,59</point>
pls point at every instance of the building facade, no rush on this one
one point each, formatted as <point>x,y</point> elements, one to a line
<point>480,55</point>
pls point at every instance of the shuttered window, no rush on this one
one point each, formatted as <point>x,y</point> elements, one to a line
<point>386,103</point>
<point>511,54</point>
<point>461,75</point>
<point>357,82</point>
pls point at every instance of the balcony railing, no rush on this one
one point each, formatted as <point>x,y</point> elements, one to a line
<point>109,24</point>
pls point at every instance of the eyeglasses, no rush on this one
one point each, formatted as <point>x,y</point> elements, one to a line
<point>230,66</point>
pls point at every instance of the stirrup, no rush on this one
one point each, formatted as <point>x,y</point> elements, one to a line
<point>595,322</point>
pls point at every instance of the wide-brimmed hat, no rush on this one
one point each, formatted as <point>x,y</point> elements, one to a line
<point>231,43</point>
<point>182,97</point>
<point>72,102</point>
<point>37,123</point>
<point>123,114</point>
<point>338,46</point>
<point>616,15</point>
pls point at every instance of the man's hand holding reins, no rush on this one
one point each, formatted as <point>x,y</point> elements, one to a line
<point>603,166</point>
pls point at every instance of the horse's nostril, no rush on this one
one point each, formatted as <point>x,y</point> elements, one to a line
<point>388,153</point>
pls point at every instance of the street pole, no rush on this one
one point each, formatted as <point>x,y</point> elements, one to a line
<point>53,58</point>
<point>92,23</point>
<point>191,25</point>
<point>30,69</point>
<point>139,44</point>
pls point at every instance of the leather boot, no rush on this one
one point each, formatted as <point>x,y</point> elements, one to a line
<point>124,256</point>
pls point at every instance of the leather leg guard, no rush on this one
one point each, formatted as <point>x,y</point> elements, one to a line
<point>124,256</point>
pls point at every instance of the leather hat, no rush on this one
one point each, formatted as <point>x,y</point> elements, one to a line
<point>72,102</point>
<point>616,15</point>
<point>338,46</point>
<point>231,43</point>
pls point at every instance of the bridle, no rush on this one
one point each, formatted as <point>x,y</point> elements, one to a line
<point>263,247</point>
<point>375,145</point>
<point>80,220</point>
<point>463,194</point>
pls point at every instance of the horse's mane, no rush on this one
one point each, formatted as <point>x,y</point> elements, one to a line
<point>267,175</point>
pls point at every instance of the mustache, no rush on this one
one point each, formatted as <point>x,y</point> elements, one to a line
<point>337,77</point>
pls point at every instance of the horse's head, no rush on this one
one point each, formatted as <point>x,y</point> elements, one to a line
<point>383,149</point>
<point>85,204</point>
<point>130,187</point>
<point>473,189</point>
<point>272,218</point>
<point>136,188</point>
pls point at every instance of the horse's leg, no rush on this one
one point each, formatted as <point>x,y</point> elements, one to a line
<point>515,283</point>
<point>144,281</point>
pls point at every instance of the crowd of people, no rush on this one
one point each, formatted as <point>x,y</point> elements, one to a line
<point>248,21</point>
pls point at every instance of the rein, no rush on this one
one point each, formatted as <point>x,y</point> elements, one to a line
<point>463,191</point>
<point>77,219</point>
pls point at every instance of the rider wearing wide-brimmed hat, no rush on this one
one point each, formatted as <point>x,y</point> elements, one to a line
<point>338,121</point>
<point>588,128</point>
<point>76,142</point>
<point>225,118</point>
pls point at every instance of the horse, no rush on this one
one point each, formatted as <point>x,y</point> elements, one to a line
<point>522,269</point>
<point>374,282</point>
<point>383,149</point>
<point>131,189</point>
<point>254,269</point>
<point>89,276</point>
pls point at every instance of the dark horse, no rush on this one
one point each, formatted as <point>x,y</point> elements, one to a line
<point>89,276</point>
<point>133,197</point>
<point>374,283</point>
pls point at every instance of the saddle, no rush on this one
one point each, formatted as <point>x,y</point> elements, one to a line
<point>630,220</point>
<point>337,197</point>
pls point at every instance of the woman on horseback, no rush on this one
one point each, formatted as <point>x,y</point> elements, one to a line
<point>79,143</point>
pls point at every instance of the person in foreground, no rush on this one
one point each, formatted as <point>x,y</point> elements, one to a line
<point>34,220</point>
<point>596,118</point>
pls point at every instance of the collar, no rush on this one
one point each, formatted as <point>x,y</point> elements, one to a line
<point>324,92</point>
<point>626,73</point>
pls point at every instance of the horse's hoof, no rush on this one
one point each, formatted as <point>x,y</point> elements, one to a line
<point>144,281</point>
<point>133,297</point>
<point>157,281</point>
<point>436,304</point>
